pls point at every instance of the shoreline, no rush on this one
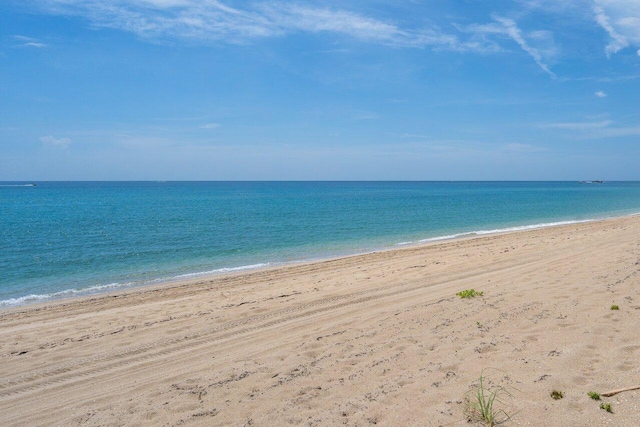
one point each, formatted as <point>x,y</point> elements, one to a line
<point>114,288</point>
<point>379,338</point>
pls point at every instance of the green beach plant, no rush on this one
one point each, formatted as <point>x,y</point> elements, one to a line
<point>606,407</point>
<point>481,403</point>
<point>615,307</point>
<point>469,293</point>
<point>594,395</point>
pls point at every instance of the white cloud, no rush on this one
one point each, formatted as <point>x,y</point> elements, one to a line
<point>617,132</point>
<point>596,130</point>
<point>523,148</point>
<point>214,21</point>
<point>600,94</point>
<point>508,28</point>
<point>618,41</point>
<point>50,141</point>
<point>366,115</point>
<point>621,20</point>
<point>514,32</point>
<point>25,41</point>
<point>578,125</point>
<point>210,126</point>
<point>413,136</point>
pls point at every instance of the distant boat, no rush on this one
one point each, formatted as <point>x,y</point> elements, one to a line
<point>595,181</point>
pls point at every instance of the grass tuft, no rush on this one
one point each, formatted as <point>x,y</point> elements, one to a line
<point>469,293</point>
<point>606,407</point>
<point>615,307</point>
<point>593,395</point>
<point>482,404</point>
<point>557,394</point>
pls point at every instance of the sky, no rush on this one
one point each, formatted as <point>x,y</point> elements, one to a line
<point>319,90</point>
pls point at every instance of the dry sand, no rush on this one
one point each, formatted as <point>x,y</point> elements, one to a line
<point>379,338</point>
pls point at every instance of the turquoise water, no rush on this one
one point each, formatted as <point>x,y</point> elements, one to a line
<point>60,239</point>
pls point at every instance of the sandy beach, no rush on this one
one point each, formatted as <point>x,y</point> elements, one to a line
<point>374,339</point>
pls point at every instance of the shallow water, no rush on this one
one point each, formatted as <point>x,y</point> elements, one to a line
<point>60,239</point>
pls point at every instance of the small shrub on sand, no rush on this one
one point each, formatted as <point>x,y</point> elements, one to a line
<point>557,394</point>
<point>481,403</point>
<point>615,307</point>
<point>593,395</point>
<point>606,407</point>
<point>469,293</point>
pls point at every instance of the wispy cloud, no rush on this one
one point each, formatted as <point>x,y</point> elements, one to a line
<point>600,94</point>
<point>524,148</point>
<point>413,136</point>
<point>618,41</point>
<point>595,129</point>
<point>24,41</point>
<point>210,126</point>
<point>214,21</point>
<point>617,132</point>
<point>515,33</point>
<point>366,115</point>
<point>621,20</point>
<point>577,125</point>
<point>51,141</point>
<point>508,28</point>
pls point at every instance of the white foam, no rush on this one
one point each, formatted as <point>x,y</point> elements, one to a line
<point>34,298</point>
<point>504,230</point>
<point>447,237</point>
<point>61,294</point>
<point>532,227</point>
<point>224,270</point>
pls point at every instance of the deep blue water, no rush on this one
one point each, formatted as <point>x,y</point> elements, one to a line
<point>60,239</point>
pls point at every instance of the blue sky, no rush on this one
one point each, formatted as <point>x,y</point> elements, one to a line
<point>350,89</point>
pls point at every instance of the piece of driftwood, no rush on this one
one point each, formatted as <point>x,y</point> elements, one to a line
<point>620,390</point>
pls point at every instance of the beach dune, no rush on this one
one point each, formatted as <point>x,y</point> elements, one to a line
<point>373,339</point>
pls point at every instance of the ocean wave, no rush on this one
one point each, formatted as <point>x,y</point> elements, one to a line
<point>97,289</point>
<point>223,270</point>
<point>504,230</point>
<point>33,298</point>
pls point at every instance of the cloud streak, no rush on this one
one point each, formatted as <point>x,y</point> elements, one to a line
<point>618,42</point>
<point>51,141</point>
<point>210,126</point>
<point>595,130</point>
<point>24,41</point>
<point>207,21</point>
<point>514,32</point>
<point>508,28</point>
<point>213,21</point>
<point>582,126</point>
<point>621,20</point>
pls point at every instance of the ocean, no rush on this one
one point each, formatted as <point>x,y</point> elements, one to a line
<point>65,239</point>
